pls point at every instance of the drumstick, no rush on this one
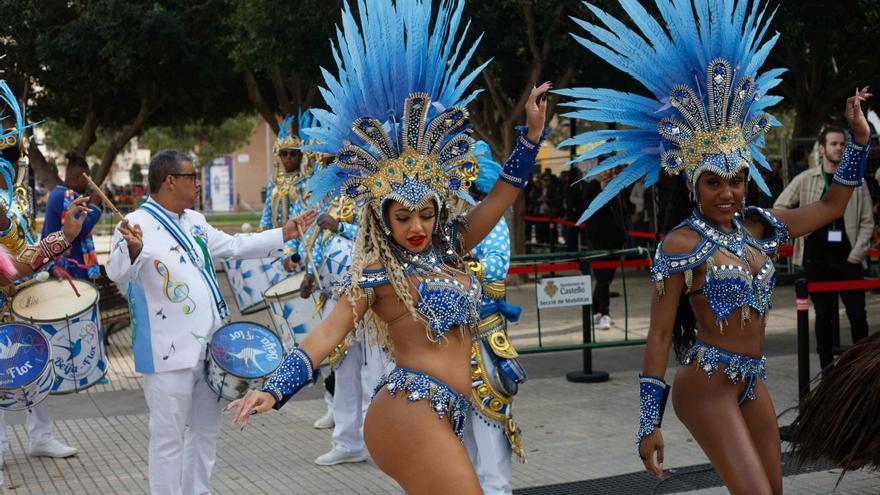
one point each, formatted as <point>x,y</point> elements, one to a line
<point>107,202</point>
<point>309,259</point>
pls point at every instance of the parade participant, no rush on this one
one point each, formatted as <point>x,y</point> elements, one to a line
<point>400,92</point>
<point>280,193</point>
<point>162,254</point>
<point>81,262</point>
<point>492,435</point>
<point>21,255</point>
<point>713,273</point>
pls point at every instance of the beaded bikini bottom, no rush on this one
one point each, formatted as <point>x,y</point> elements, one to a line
<point>444,401</point>
<point>739,368</point>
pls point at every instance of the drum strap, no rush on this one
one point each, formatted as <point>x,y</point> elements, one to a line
<point>206,268</point>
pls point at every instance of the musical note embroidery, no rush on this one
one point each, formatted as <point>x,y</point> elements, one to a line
<point>171,351</point>
<point>176,292</point>
<point>199,338</point>
<point>161,313</point>
<point>176,249</point>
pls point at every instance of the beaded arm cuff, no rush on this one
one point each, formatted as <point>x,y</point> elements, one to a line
<point>44,252</point>
<point>653,392</point>
<point>295,372</point>
<point>518,168</point>
<point>851,171</point>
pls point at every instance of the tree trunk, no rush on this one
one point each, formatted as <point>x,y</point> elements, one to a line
<point>43,171</point>
<point>259,102</point>
<point>88,137</point>
<point>121,139</point>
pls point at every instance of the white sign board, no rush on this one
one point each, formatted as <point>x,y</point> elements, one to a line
<point>244,158</point>
<point>564,291</point>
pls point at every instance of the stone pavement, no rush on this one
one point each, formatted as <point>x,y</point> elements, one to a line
<point>572,432</point>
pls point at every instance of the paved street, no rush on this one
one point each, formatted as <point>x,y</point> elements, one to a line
<point>572,432</point>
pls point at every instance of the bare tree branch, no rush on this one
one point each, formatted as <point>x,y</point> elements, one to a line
<point>280,90</point>
<point>256,97</point>
<point>122,138</point>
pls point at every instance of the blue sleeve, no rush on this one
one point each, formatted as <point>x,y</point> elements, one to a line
<point>349,231</point>
<point>54,206</point>
<point>494,253</point>
<point>266,219</point>
<point>92,218</point>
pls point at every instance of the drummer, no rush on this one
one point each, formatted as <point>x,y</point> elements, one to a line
<point>81,262</point>
<point>162,254</point>
<point>28,256</point>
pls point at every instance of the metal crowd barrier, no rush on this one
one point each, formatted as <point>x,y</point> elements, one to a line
<point>583,262</point>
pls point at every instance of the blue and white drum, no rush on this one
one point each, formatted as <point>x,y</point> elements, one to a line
<point>337,260</point>
<point>241,357</point>
<point>25,361</point>
<point>250,278</point>
<point>292,316</point>
<point>73,326</point>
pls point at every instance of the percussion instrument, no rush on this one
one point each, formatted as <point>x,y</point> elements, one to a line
<point>250,278</point>
<point>73,327</point>
<point>292,316</point>
<point>26,367</point>
<point>241,357</point>
<point>337,260</point>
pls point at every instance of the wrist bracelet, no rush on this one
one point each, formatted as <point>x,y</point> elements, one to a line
<point>42,253</point>
<point>653,392</point>
<point>518,168</point>
<point>851,171</point>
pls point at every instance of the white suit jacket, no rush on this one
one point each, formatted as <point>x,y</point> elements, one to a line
<point>173,314</point>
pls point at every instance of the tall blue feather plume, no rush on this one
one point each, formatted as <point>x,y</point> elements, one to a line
<point>661,54</point>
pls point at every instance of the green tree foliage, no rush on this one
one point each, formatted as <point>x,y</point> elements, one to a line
<point>278,51</point>
<point>206,140</point>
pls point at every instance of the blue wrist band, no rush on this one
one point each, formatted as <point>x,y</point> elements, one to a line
<point>851,171</point>
<point>518,168</point>
<point>653,392</point>
<point>295,372</point>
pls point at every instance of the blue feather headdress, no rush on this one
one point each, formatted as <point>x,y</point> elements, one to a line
<point>13,131</point>
<point>707,103</point>
<point>287,139</point>
<point>488,170</point>
<point>396,120</point>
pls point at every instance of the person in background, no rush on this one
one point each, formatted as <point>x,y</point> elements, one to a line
<point>81,261</point>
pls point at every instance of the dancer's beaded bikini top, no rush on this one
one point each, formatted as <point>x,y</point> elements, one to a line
<point>444,301</point>
<point>730,285</point>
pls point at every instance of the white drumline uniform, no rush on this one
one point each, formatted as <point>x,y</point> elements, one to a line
<point>39,426</point>
<point>173,318</point>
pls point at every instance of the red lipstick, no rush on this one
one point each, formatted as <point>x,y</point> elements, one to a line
<point>416,240</point>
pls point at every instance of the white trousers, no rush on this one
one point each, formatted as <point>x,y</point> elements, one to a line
<point>356,377</point>
<point>490,453</point>
<point>39,427</point>
<point>181,458</point>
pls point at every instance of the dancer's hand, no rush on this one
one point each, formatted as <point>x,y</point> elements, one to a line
<point>536,111</point>
<point>327,222</point>
<point>650,445</point>
<point>133,236</point>
<point>253,402</point>
<point>307,286</point>
<point>855,117</point>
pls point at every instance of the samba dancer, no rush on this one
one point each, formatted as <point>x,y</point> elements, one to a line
<point>176,306</point>
<point>28,256</point>
<point>400,92</point>
<point>492,436</point>
<point>713,273</point>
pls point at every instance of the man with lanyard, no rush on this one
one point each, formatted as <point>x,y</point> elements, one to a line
<point>836,251</point>
<point>162,254</point>
<point>81,263</point>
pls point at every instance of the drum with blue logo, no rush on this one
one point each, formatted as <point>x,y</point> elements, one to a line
<point>26,366</point>
<point>241,357</point>
<point>336,264</point>
<point>292,316</point>
<point>73,326</point>
<point>250,278</point>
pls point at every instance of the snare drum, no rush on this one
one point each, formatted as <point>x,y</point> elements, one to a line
<point>292,316</point>
<point>250,278</point>
<point>72,325</point>
<point>240,358</point>
<point>26,366</point>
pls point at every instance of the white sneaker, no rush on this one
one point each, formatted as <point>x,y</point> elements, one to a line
<point>326,421</point>
<point>336,456</point>
<point>52,448</point>
<point>596,318</point>
<point>604,323</point>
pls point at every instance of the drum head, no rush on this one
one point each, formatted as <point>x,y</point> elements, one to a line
<point>53,300</point>
<point>24,355</point>
<point>286,287</point>
<point>246,350</point>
